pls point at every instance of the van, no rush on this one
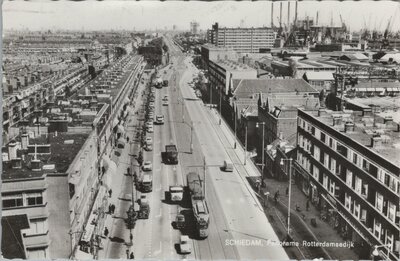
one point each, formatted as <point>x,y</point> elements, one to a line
<point>228,165</point>
<point>147,183</point>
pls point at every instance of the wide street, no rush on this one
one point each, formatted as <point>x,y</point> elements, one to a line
<point>238,227</point>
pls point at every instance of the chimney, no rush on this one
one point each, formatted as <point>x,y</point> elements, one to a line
<point>12,150</point>
<point>321,112</point>
<point>376,142</point>
<point>337,120</point>
<point>16,163</point>
<point>24,141</point>
<point>349,127</point>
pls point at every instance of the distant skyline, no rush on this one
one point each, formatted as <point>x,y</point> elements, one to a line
<point>149,15</point>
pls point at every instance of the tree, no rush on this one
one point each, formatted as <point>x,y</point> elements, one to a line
<point>132,217</point>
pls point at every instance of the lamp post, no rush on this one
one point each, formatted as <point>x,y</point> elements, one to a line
<point>262,149</point>
<point>220,106</point>
<point>290,192</point>
<point>245,145</point>
<point>375,252</point>
<point>234,145</point>
<point>73,245</point>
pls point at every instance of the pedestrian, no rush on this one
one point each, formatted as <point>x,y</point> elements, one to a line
<point>113,208</point>
<point>276,197</point>
<point>110,209</point>
<point>127,139</point>
<point>308,205</point>
<point>287,191</point>
<point>110,193</point>
<point>131,256</point>
<point>106,231</point>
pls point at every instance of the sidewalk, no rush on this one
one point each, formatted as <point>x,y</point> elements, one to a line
<point>116,244</point>
<point>300,226</point>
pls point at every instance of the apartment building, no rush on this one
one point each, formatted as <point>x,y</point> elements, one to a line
<point>56,175</point>
<point>353,174</point>
<point>242,40</point>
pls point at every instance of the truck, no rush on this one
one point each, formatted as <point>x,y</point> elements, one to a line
<point>146,183</point>
<point>144,208</point>
<point>176,193</point>
<point>199,204</point>
<point>171,154</point>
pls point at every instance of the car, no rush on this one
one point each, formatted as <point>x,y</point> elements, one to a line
<point>148,147</point>
<point>160,119</point>
<point>151,104</point>
<point>149,140</point>
<point>185,245</point>
<point>147,166</point>
<point>165,98</point>
<point>152,99</point>
<point>150,129</point>
<point>149,124</point>
<point>153,91</point>
<point>165,103</point>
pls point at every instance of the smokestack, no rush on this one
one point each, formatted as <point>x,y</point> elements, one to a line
<point>272,14</point>
<point>12,150</point>
<point>316,22</point>
<point>288,15</point>
<point>280,16</point>
<point>295,14</point>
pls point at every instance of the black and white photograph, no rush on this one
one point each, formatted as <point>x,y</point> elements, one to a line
<point>200,130</point>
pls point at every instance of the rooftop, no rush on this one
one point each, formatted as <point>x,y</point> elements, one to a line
<point>319,76</point>
<point>233,66</point>
<point>11,233</point>
<point>246,88</point>
<point>63,149</point>
<point>365,130</point>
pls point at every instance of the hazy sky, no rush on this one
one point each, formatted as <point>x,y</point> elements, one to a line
<point>95,15</point>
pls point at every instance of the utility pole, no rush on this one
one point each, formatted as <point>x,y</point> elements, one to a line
<point>204,182</point>
<point>234,145</point>
<point>220,106</point>
<point>272,14</point>
<point>245,142</point>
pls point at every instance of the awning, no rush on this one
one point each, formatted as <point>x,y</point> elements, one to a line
<point>396,89</point>
<point>129,109</point>
<point>389,89</point>
<point>19,97</point>
<point>87,235</point>
<point>120,129</point>
<point>369,89</point>
<point>125,113</point>
<point>379,89</point>
<point>106,161</point>
<point>127,100</point>
<point>108,176</point>
<point>362,89</point>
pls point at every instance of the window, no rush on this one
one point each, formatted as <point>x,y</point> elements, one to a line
<point>364,190</point>
<point>377,229</point>
<point>332,187</point>
<point>356,210</point>
<point>323,137</point>
<point>37,227</point>
<point>391,211</point>
<point>316,153</point>
<point>325,181</point>
<point>326,160</point>
<point>358,184</point>
<point>301,141</point>
<point>316,173</point>
<point>379,202</point>
<point>393,183</point>
<point>363,215</point>
<point>34,199</point>
<point>10,201</point>
<point>355,158</point>
<point>349,178</point>
<point>381,175</point>
<point>317,134</point>
<point>347,201</point>
<point>332,166</point>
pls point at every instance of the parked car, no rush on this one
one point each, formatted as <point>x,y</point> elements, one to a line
<point>185,245</point>
<point>147,166</point>
<point>150,129</point>
<point>160,119</point>
<point>165,103</point>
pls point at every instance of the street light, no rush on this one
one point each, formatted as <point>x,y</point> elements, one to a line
<point>220,106</point>
<point>290,191</point>
<point>245,144</point>
<point>262,148</point>
<point>73,247</point>
<point>375,252</point>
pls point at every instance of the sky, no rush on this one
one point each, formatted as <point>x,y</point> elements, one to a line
<point>142,15</point>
